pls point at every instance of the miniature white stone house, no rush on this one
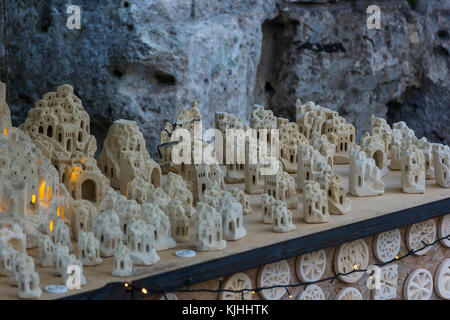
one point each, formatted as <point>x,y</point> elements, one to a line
<point>380,128</point>
<point>282,218</point>
<point>89,249</point>
<point>232,218</point>
<point>315,203</point>
<point>441,159</point>
<point>84,213</point>
<point>364,175</point>
<point>338,202</point>
<point>156,217</point>
<point>308,161</point>
<point>179,221</point>
<point>325,144</point>
<point>267,202</point>
<point>106,227</point>
<point>123,265</point>
<point>124,156</point>
<point>141,243</point>
<point>413,171</point>
<point>208,228</point>
<point>206,177</point>
<point>374,147</point>
<point>290,140</point>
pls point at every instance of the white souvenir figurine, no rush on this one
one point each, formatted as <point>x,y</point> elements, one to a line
<point>441,159</point>
<point>141,243</point>
<point>21,262</point>
<point>254,181</point>
<point>72,270</point>
<point>282,218</point>
<point>267,205</point>
<point>426,149</point>
<point>60,252</point>
<point>374,147</point>
<point>84,212</point>
<point>28,283</point>
<point>208,228</point>
<point>123,265</point>
<point>364,175</point>
<point>308,161</point>
<point>127,210</point>
<point>315,203</point>
<point>7,254</point>
<point>61,234</point>
<point>179,221</point>
<point>45,250</point>
<point>14,237</point>
<point>325,144</point>
<point>290,140</point>
<point>232,218</point>
<point>161,224</point>
<point>413,171</point>
<point>338,202</point>
<point>205,177</point>
<point>88,249</point>
<point>243,199</point>
<point>106,228</point>
<point>281,186</point>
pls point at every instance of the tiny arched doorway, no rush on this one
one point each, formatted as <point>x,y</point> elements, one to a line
<point>89,190</point>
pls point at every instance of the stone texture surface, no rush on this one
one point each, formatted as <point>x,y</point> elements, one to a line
<point>144,60</point>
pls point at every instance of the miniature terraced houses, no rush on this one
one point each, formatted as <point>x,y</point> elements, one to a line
<point>413,171</point>
<point>402,138</point>
<point>235,172</point>
<point>206,177</point>
<point>364,175</point>
<point>281,186</point>
<point>141,243</point>
<point>425,147</point>
<point>154,216</point>
<point>208,228</point>
<point>60,127</point>
<point>106,227</point>
<point>315,203</point>
<point>124,157</point>
<point>282,218</point>
<point>324,143</point>
<point>263,119</point>
<point>380,128</point>
<point>441,159</point>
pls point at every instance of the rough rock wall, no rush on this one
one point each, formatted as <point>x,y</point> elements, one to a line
<point>144,60</point>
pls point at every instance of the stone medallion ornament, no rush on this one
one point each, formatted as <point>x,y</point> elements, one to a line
<point>236,282</point>
<point>418,285</point>
<point>442,279</point>
<point>311,266</point>
<point>444,229</point>
<point>277,273</point>
<point>388,283</point>
<point>349,293</point>
<point>312,292</point>
<point>350,256</point>
<point>419,233</point>
<point>387,245</point>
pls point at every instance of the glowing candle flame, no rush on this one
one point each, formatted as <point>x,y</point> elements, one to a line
<point>42,190</point>
<point>58,212</point>
<point>62,213</point>
<point>33,199</point>
<point>51,226</point>
<point>5,131</point>
<point>49,192</point>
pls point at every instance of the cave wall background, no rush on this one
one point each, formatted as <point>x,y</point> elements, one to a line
<point>145,60</point>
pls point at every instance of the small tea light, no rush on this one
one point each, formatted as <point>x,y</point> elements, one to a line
<point>185,253</point>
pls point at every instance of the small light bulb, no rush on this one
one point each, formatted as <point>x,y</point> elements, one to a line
<point>290,296</point>
<point>126,284</point>
<point>396,257</point>
<point>253,292</point>
<point>144,291</point>
<point>355,267</point>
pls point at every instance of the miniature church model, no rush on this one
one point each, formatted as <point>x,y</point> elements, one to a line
<point>124,157</point>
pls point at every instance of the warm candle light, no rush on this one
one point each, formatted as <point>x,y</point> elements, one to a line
<point>62,212</point>
<point>42,190</point>
<point>33,199</point>
<point>58,211</point>
<point>49,192</point>
<point>51,226</point>
<point>5,131</point>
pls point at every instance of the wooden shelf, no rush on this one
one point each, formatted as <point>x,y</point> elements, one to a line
<point>370,215</point>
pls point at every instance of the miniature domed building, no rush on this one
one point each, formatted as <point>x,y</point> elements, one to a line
<point>124,156</point>
<point>60,127</point>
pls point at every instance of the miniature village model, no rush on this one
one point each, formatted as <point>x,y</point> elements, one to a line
<point>77,211</point>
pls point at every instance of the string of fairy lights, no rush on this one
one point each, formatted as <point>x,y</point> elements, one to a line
<point>130,287</point>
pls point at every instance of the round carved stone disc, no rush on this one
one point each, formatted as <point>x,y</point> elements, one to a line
<point>387,245</point>
<point>349,293</point>
<point>277,273</point>
<point>418,285</point>
<point>422,231</point>
<point>237,281</point>
<point>351,255</point>
<point>311,266</point>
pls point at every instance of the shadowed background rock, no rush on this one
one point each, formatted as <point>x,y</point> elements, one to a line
<point>145,60</point>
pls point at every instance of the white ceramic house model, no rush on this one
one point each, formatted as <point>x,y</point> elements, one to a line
<point>232,218</point>
<point>426,149</point>
<point>282,218</point>
<point>177,188</point>
<point>141,243</point>
<point>61,234</point>
<point>281,186</point>
<point>7,254</point>
<point>179,221</point>
<point>84,212</point>
<point>374,147</point>
<point>441,159</point>
<point>413,171</point>
<point>127,210</point>
<point>106,227</point>
<point>154,216</point>
<point>267,202</point>
<point>45,250</point>
<point>308,161</point>
<point>123,265</point>
<point>315,203</point>
<point>243,199</point>
<point>338,202</point>
<point>89,249</point>
<point>208,228</point>
<point>60,252</point>
<point>364,175</point>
